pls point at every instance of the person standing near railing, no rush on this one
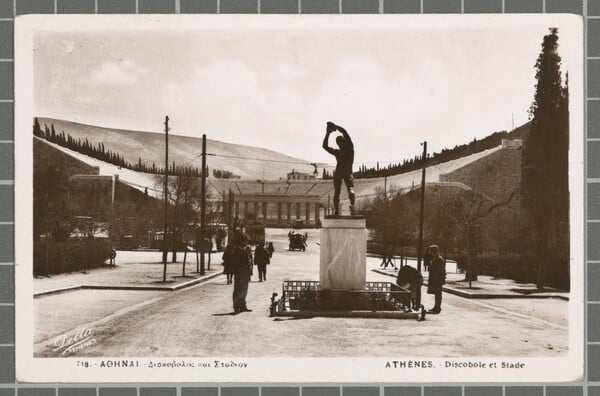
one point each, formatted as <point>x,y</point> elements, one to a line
<point>437,277</point>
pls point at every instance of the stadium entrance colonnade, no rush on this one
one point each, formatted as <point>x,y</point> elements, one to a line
<point>281,210</point>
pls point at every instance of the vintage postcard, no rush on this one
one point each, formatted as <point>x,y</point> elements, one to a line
<point>294,198</point>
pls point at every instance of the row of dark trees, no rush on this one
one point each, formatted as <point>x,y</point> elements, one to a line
<point>459,151</point>
<point>98,151</point>
<point>224,174</point>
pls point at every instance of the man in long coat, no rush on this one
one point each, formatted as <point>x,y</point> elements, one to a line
<point>261,259</point>
<point>437,277</point>
<point>241,272</point>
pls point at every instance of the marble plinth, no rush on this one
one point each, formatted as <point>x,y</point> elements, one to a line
<point>343,253</point>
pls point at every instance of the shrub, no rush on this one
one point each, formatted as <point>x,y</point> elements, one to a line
<point>521,269</point>
<point>51,257</point>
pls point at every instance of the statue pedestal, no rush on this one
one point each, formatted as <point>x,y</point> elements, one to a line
<point>343,253</point>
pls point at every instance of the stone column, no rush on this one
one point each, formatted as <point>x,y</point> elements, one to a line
<point>343,254</point>
<point>289,211</point>
<point>245,209</point>
<point>237,209</point>
<point>317,212</point>
<point>307,212</point>
<point>297,210</point>
<point>278,211</point>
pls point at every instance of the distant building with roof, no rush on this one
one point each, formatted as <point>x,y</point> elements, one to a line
<point>293,175</point>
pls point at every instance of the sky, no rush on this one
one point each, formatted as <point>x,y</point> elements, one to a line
<point>390,86</point>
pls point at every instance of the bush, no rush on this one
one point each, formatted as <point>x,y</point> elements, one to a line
<point>521,269</point>
<point>71,255</point>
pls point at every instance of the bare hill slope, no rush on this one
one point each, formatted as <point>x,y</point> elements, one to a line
<point>149,146</point>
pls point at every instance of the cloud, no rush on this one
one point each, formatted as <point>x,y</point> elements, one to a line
<point>123,72</point>
<point>232,101</point>
<point>223,95</point>
<point>285,71</point>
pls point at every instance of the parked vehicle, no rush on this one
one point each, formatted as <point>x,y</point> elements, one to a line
<point>297,241</point>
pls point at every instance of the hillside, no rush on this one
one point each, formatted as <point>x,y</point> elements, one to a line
<point>134,144</point>
<point>365,188</point>
<point>149,146</point>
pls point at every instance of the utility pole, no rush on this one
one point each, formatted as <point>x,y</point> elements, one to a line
<point>387,215</point>
<point>203,204</point>
<point>166,203</point>
<point>385,186</point>
<point>421,214</point>
<point>224,206</point>
<point>231,211</point>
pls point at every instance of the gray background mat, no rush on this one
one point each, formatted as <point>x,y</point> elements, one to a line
<point>590,9</point>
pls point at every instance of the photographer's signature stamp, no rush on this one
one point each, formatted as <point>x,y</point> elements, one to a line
<point>74,341</point>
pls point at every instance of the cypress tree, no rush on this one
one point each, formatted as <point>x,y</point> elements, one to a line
<point>37,130</point>
<point>545,168</point>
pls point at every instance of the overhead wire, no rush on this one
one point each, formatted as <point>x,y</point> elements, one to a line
<point>278,161</point>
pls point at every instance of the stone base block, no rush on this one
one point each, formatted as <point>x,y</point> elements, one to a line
<point>343,253</point>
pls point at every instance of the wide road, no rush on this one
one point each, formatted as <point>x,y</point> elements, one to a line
<point>199,321</point>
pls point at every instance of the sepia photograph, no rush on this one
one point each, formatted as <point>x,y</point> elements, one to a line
<point>278,198</point>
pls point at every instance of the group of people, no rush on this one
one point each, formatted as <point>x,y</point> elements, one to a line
<point>412,279</point>
<point>238,263</point>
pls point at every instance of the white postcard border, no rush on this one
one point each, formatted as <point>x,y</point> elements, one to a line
<point>32,369</point>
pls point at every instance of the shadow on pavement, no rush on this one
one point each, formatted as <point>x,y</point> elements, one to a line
<point>292,318</point>
<point>226,314</point>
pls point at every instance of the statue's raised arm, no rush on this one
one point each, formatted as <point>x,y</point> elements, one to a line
<point>330,128</point>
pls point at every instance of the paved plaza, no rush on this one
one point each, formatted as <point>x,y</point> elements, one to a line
<point>198,320</point>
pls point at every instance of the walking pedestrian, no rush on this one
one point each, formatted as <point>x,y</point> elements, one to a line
<point>387,257</point>
<point>261,259</point>
<point>437,277</point>
<point>270,249</point>
<point>241,271</point>
<point>227,263</point>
